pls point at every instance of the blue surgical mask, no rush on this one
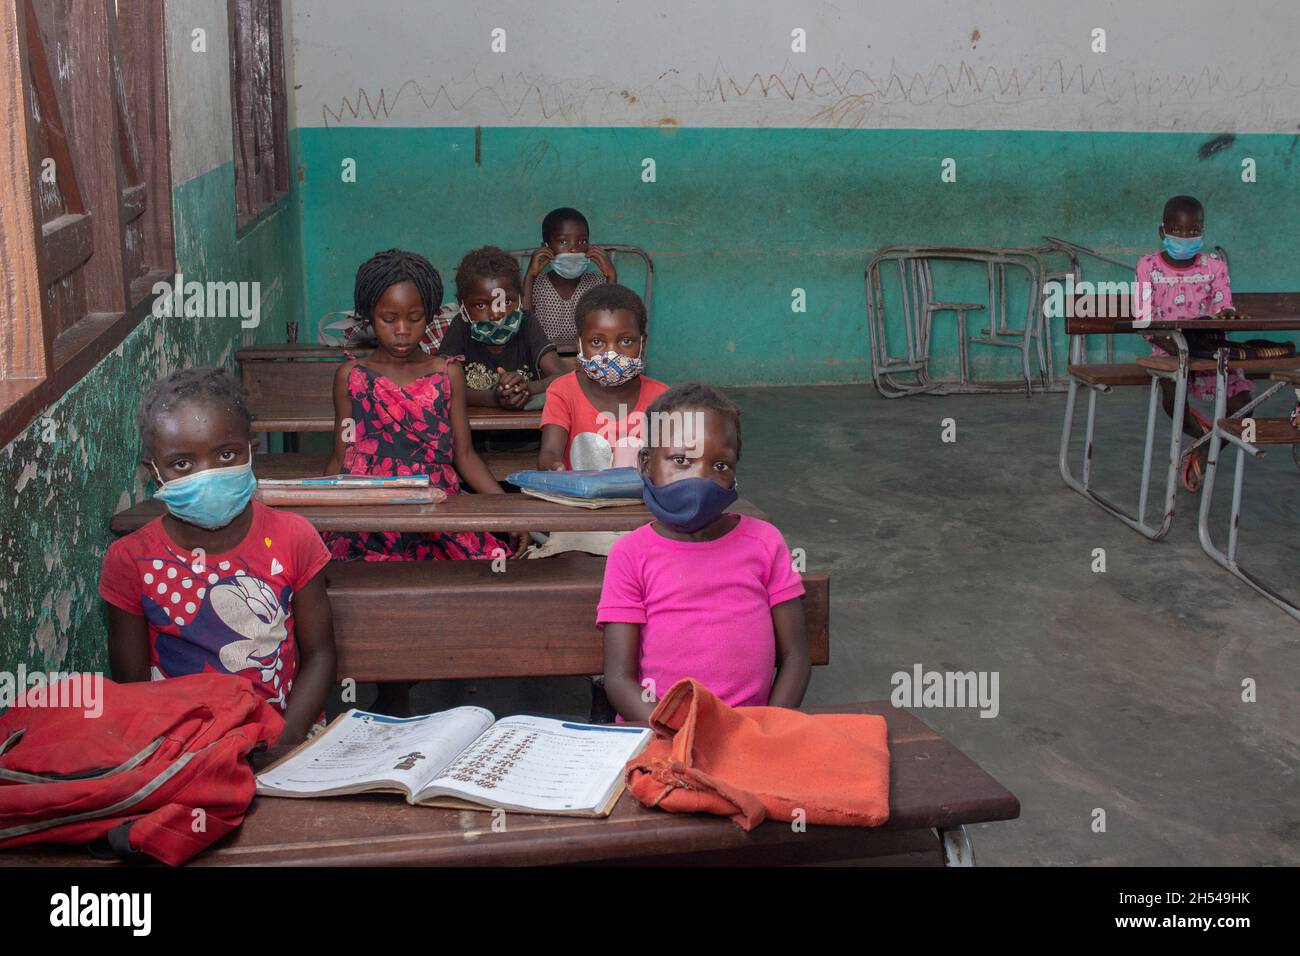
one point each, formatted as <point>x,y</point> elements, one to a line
<point>210,499</point>
<point>688,504</point>
<point>570,264</point>
<point>1183,248</point>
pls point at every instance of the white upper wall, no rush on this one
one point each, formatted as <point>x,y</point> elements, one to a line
<point>198,85</point>
<point>1197,65</point>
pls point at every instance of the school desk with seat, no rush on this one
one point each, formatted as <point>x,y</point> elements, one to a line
<point>1248,434</point>
<point>458,513</point>
<point>1262,312</point>
<point>290,388</point>
<point>935,793</point>
<point>292,464</point>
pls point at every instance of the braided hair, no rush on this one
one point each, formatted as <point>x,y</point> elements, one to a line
<point>389,268</point>
<point>213,386</point>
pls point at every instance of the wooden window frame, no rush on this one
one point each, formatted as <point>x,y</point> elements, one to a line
<point>250,207</point>
<point>112,174</point>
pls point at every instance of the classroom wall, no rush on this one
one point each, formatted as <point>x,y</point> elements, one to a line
<point>778,170</point>
<point>54,528</point>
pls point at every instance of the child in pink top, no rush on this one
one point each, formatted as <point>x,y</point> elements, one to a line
<point>701,592</point>
<point>594,417</point>
<point>1186,283</point>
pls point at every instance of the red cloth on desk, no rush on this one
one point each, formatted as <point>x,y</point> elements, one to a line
<point>751,763</point>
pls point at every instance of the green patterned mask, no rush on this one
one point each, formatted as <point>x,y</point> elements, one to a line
<point>494,333</point>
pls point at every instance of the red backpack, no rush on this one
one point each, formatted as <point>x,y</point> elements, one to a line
<point>162,770</point>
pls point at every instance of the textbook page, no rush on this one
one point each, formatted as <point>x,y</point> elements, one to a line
<point>540,764</point>
<point>361,749</point>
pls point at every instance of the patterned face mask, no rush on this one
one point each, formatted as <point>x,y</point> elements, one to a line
<point>612,368</point>
<point>494,333</point>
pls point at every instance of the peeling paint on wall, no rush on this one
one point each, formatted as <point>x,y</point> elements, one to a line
<point>64,490</point>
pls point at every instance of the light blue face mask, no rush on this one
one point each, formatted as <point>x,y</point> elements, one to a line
<point>210,499</point>
<point>570,264</point>
<point>1183,248</point>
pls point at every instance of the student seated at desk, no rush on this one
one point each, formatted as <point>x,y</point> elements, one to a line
<point>700,592</point>
<point>221,582</point>
<point>1186,283</point>
<point>401,411</point>
<point>553,295</point>
<point>509,361</point>
<point>595,415</point>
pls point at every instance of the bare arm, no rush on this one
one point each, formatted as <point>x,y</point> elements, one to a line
<point>467,461</point>
<point>793,661</point>
<point>622,650</point>
<point>551,455</point>
<point>342,413</point>
<point>314,631</point>
<point>128,646</point>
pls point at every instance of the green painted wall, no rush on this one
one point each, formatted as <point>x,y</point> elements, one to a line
<point>739,217</point>
<point>60,495</point>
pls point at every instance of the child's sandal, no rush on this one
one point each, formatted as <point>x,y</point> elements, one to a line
<point>1192,471</point>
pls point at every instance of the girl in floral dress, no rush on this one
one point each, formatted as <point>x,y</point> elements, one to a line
<point>401,411</point>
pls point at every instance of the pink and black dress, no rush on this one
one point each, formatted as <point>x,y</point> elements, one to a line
<point>405,430</point>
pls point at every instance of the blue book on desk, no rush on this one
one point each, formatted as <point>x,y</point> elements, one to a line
<point>607,483</point>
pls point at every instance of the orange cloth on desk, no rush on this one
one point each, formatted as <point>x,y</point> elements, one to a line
<point>751,763</point>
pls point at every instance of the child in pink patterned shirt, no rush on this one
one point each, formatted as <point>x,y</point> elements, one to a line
<point>1185,283</point>
<point>700,592</point>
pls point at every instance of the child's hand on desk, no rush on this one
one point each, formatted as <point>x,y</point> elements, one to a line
<point>519,540</point>
<point>511,389</point>
<point>1228,313</point>
<point>541,258</point>
<point>603,262</point>
<point>261,759</point>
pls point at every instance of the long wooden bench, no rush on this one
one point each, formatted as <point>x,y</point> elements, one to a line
<point>430,620</point>
<point>289,388</point>
<point>311,464</point>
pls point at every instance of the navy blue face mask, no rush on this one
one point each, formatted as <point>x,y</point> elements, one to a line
<point>688,504</point>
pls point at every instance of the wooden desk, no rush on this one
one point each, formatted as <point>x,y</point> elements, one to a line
<point>933,784</point>
<point>317,415</point>
<point>464,512</point>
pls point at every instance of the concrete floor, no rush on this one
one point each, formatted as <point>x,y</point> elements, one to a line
<point>1119,691</point>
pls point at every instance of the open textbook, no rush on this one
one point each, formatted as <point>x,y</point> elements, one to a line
<point>464,759</point>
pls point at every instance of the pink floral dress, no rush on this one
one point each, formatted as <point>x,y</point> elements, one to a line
<point>405,430</point>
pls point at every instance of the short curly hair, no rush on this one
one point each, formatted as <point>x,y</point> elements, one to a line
<point>208,385</point>
<point>488,262</point>
<point>609,297</point>
<point>695,397</point>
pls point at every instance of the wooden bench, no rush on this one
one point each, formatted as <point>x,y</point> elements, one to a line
<point>935,791</point>
<point>289,388</point>
<point>431,620</point>
<point>312,464</point>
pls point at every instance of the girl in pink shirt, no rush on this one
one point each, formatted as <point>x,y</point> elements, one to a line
<point>1186,283</point>
<point>700,592</point>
